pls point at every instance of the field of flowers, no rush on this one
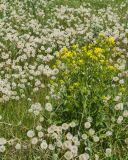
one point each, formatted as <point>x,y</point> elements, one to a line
<point>63,80</point>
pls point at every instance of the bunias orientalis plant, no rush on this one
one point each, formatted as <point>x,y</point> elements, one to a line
<point>88,87</point>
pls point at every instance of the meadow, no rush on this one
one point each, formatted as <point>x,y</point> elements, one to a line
<point>64,80</point>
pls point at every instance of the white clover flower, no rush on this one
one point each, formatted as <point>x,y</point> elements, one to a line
<point>65,126</point>
<point>109,133</point>
<point>96,138</point>
<point>125,113</point>
<point>48,107</point>
<point>117,98</point>
<point>35,108</point>
<point>119,106</point>
<point>41,119</point>
<point>30,133</point>
<point>39,128</point>
<point>121,81</point>
<point>59,144</point>
<point>96,157</point>
<point>87,125</point>
<point>84,136</point>
<point>108,152</point>
<point>72,124</point>
<point>36,112</point>
<point>75,140</point>
<point>91,131</point>
<point>67,144</point>
<point>35,90</point>
<point>51,147</point>
<point>126,141</point>
<point>50,130</point>
<point>34,140</point>
<point>49,50</point>
<point>40,134</point>
<point>3,141</point>
<point>69,136</point>
<point>90,119</point>
<point>55,156</point>
<point>18,146</point>
<point>115,79</point>
<point>74,149</point>
<point>120,119</point>
<point>55,71</point>
<point>2,148</point>
<point>84,156</point>
<point>68,155</point>
<point>44,145</point>
<point>59,130</point>
<point>42,48</point>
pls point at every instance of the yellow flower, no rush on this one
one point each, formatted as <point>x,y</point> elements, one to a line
<point>74,62</point>
<point>98,51</point>
<point>80,62</point>
<point>64,49</point>
<point>112,67</point>
<point>84,48</point>
<point>74,53</point>
<point>102,61</point>
<point>103,56</point>
<point>67,54</point>
<point>75,46</point>
<point>111,40</point>
<point>93,57</point>
<point>89,53</point>
<point>58,54</point>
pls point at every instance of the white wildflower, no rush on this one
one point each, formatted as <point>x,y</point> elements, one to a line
<point>30,133</point>
<point>68,155</point>
<point>44,145</point>
<point>87,125</point>
<point>18,146</point>
<point>108,152</point>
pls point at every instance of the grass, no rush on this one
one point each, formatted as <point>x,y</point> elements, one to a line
<point>15,117</point>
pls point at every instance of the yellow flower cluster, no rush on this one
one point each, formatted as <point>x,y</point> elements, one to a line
<point>95,51</point>
<point>110,40</point>
<point>77,58</point>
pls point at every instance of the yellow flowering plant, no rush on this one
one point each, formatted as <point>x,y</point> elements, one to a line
<point>86,77</point>
<point>86,87</point>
